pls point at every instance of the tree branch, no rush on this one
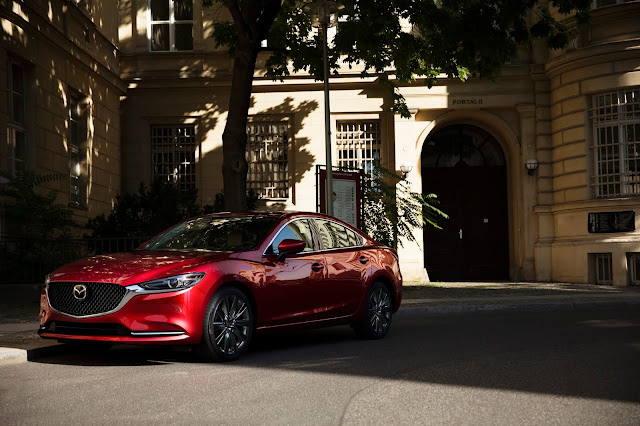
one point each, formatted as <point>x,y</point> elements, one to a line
<point>238,18</point>
<point>270,9</point>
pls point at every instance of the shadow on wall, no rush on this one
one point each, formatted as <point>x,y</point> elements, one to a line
<point>299,157</point>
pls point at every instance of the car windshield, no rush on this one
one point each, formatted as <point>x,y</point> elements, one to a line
<point>214,233</point>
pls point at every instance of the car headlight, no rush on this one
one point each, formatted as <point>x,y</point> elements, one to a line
<point>177,282</point>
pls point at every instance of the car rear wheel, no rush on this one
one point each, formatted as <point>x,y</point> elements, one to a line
<point>376,320</point>
<point>228,326</point>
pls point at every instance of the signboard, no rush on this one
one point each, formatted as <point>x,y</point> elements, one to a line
<point>605,222</point>
<point>347,195</point>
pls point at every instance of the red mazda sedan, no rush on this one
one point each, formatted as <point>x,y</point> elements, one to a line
<point>214,280</point>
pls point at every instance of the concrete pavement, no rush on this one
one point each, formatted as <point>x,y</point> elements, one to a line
<point>19,307</point>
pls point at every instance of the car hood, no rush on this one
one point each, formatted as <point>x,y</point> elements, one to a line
<point>136,266</point>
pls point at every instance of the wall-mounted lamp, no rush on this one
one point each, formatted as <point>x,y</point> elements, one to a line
<point>531,166</point>
<point>406,168</point>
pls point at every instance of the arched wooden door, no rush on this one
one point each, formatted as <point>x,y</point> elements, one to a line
<point>465,167</point>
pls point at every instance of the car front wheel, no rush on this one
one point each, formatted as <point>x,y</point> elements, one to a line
<point>376,320</point>
<point>228,326</point>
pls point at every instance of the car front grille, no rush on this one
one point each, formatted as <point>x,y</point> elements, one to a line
<point>99,298</point>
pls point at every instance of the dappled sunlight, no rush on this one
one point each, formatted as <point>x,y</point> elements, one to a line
<point>13,33</point>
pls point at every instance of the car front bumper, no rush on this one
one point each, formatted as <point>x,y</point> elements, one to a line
<point>145,318</point>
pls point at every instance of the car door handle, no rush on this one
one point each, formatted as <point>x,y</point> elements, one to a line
<point>364,259</point>
<point>317,267</point>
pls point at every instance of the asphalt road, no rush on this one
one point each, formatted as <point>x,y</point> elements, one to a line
<point>567,368</point>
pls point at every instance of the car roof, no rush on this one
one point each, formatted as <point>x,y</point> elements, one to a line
<point>265,213</point>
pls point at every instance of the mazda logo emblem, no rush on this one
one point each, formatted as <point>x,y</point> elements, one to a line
<point>80,292</point>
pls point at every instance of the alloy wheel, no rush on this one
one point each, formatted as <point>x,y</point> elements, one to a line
<point>379,310</point>
<point>231,324</point>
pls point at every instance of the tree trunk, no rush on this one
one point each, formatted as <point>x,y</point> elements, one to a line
<point>234,138</point>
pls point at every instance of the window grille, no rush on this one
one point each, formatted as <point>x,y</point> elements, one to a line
<point>77,150</point>
<point>267,156</point>
<point>359,144</point>
<point>17,118</point>
<point>171,25</point>
<point>173,155</point>
<point>602,268</point>
<point>616,127</point>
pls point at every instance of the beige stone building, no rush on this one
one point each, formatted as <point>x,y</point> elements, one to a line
<point>572,116</point>
<point>60,97</point>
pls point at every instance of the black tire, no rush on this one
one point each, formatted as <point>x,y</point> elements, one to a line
<point>377,315</point>
<point>228,326</point>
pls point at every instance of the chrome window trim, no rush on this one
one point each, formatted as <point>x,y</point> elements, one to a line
<point>362,239</point>
<point>132,291</point>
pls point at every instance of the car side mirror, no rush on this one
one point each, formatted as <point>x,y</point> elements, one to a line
<point>288,247</point>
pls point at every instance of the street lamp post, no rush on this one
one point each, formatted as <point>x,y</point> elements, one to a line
<point>323,15</point>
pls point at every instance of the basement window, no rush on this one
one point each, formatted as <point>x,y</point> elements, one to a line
<point>600,268</point>
<point>633,268</point>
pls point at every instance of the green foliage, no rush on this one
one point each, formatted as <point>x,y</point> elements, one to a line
<point>146,213</point>
<point>218,203</point>
<point>393,211</point>
<point>153,209</point>
<point>37,233</point>
<point>30,214</point>
<point>461,39</point>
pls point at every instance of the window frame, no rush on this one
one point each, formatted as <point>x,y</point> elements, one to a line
<point>613,119</point>
<point>14,126</point>
<point>172,22</point>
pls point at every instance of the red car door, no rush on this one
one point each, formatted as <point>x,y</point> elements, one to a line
<point>294,287</point>
<point>346,266</point>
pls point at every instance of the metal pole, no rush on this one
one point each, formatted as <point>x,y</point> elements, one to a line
<point>327,125</point>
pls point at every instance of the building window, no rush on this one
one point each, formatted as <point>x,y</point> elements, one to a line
<point>267,155</point>
<point>359,144</point>
<point>17,118</point>
<point>173,152</point>
<point>601,268</point>
<point>77,150</point>
<point>633,267</point>
<point>616,127</point>
<point>171,25</point>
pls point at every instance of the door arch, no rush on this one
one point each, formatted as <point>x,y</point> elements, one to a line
<point>465,167</point>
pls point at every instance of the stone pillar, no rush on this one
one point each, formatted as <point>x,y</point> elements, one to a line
<point>544,177</point>
<point>529,226</point>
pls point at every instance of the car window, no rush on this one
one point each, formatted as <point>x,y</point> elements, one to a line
<point>327,237</point>
<point>341,236</point>
<point>353,238</point>
<point>214,233</point>
<point>296,230</point>
<point>334,235</point>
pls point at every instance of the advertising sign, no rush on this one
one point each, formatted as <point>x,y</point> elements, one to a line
<point>347,195</point>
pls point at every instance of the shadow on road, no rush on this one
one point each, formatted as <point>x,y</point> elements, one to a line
<point>581,354</point>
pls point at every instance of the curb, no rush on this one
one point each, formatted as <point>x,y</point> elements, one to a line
<point>15,356</point>
<point>520,307</point>
<point>12,356</point>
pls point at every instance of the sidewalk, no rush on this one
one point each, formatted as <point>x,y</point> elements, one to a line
<point>19,305</point>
